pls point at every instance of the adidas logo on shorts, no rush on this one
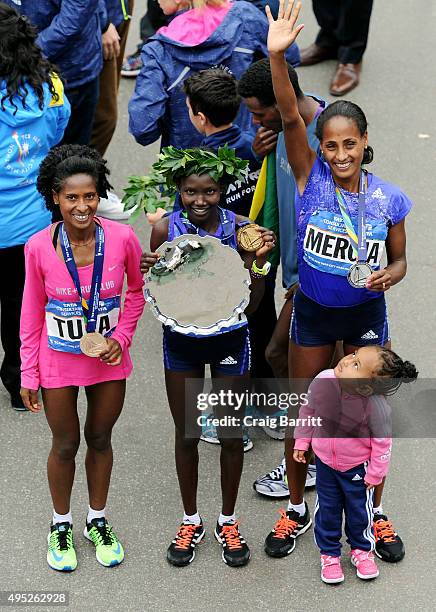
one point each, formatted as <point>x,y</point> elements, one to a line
<point>228,361</point>
<point>357,477</point>
<point>371,335</point>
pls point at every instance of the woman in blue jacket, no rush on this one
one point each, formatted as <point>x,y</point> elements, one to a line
<point>70,36</point>
<point>33,116</point>
<point>215,33</point>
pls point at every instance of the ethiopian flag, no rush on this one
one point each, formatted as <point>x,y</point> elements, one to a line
<point>264,208</point>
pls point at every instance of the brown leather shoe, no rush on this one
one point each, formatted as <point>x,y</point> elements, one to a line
<point>316,54</point>
<point>346,78</point>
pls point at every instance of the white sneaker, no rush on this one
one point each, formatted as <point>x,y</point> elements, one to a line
<point>112,208</point>
<point>275,483</point>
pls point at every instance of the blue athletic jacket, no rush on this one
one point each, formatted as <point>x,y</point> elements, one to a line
<point>158,108</point>
<point>26,136</point>
<point>69,35</point>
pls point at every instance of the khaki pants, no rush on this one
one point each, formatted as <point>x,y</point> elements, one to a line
<point>106,114</point>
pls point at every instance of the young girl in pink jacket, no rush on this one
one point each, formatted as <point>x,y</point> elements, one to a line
<point>347,422</point>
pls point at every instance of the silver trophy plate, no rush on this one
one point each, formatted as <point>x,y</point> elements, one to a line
<point>199,286</point>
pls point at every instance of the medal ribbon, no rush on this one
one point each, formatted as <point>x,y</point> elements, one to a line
<point>358,242</point>
<point>227,228</point>
<point>90,308</point>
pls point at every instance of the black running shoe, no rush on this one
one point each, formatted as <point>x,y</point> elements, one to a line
<point>281,541</point>
<point>388,544</point>
<point>235,550</point>
<point>181,551</point>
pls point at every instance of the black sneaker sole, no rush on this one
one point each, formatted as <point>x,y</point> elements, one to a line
<point>280,554</point>
<point>231,563</point>
<point>388,560</point>
<point>185,563</point>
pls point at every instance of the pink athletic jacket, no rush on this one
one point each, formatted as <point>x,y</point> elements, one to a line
<point>49,290</point>
<point>369,419</point>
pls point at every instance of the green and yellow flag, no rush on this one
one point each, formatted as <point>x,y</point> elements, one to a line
<point>264,208</point>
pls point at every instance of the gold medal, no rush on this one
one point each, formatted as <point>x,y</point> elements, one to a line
<point>93,344</point>
<point>249,237</point>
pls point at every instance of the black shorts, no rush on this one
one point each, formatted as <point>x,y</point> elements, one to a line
<point>361,325</point>
<point>227,353</point>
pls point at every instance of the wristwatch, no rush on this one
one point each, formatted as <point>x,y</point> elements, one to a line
<point>259,272</point>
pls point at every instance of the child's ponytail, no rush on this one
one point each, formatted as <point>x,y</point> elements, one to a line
<point>393,372</point>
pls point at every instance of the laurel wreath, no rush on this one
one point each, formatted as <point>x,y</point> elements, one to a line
<point>158,188</point>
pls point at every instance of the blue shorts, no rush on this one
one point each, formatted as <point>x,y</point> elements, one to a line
<point>227,353</point>
<point>361,325</point>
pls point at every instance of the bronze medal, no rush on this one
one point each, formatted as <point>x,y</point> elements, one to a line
<point>93,344</point>
<point>249,237</point>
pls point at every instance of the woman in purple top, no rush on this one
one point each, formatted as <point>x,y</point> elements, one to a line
<point>328,307</point>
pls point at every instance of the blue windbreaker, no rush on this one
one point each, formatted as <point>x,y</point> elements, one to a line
<point>69,35</point>
<point>117,11</point>
<point>158,108</point>
<point>25,139</point>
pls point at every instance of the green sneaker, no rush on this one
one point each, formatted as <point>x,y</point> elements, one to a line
<point>108,549</point>
<point>61,555</point>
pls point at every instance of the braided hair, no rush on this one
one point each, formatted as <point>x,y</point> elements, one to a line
<point>349,110</point>
<point>392,372</point>
<point>65,161</point>
<point>22,65</point>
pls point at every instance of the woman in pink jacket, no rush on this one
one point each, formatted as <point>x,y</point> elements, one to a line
<point>75,332</point>
<point>347,422</point>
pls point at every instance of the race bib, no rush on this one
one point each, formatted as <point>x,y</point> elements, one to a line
<point>65,324</point>
<point>327,246</point>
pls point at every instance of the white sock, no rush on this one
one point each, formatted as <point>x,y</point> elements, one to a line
<point>378,510</point>
<point>93,514</point>
<point>226,519</point>
<point>62,518</point>
<point>300,508</point>
<point>193,519</point>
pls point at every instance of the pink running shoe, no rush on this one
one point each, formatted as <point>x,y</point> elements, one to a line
<point>331,570</point>
<point>363,561</point>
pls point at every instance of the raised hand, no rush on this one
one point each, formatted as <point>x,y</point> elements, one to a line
<point>282,31</point>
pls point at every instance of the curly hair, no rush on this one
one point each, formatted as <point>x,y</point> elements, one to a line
<point>21,62</point>
<point>392,372</point>
<point>256,82</point>
<point>65,161</point>
<point>349,110</point>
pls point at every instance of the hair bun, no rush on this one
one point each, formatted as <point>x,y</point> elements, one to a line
<point>408,372</point>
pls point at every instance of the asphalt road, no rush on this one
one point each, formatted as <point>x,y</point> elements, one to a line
<point>398,94</point>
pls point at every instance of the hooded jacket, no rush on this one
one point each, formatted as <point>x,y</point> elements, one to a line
<point>26,135</point>
<point>189,44</point>
<point>69,35</point>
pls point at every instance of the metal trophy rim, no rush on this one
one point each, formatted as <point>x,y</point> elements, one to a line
<point>227,323</point>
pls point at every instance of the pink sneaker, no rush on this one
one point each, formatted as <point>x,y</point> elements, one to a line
<point>363,561</point>
<point>331,570</point>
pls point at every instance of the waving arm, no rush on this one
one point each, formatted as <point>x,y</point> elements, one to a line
<point>282,33</point>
